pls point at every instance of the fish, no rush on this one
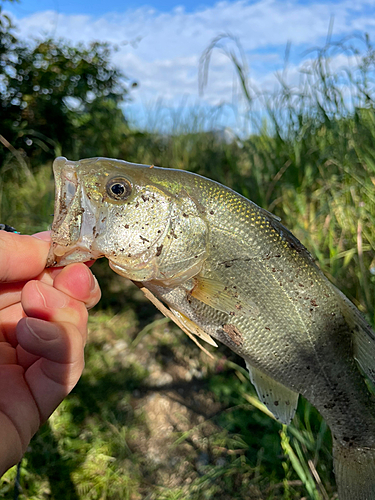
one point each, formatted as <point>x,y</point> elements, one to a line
<point>227,270</point>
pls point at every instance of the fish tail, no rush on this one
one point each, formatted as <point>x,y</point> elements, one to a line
<point>355,472</point>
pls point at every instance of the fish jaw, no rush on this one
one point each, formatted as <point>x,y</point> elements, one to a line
<point>74,224</point>
<point>140,235</point>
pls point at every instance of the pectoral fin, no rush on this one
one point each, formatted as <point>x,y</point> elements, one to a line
<point>281,401</point>
<point>224,298</point>
<point>193,328</point>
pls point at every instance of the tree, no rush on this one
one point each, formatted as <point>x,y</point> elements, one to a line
<point>46,87</point>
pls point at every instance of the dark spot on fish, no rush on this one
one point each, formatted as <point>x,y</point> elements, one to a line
<point>126,226</point>
<point>276,403</point>
<point>229,263</point>
<point>267,328</point>
<point>159,231</point>
<point>144,239</point>
<point>144,198</point>
<point>329,406</point>
<point>212,212</point>
<point>184,215</point>
<point>129,254</point>
<point>239,307</point>
<point>158,250</point>
<point>313,303</point>
<point>233,333</point>
<point>300,284</point>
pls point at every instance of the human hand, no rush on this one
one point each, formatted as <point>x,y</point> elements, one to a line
<point>43,328</point>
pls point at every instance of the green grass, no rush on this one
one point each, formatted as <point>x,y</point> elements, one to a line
<point>153,417</point>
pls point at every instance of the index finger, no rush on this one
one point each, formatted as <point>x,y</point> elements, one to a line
<point>21,257</point>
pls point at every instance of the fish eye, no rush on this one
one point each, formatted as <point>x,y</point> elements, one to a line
<point>119,188</point>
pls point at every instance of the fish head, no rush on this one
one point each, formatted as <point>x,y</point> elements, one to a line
<point>137,216</point>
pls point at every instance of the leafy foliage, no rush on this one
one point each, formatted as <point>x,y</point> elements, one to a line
<point>50,91</point>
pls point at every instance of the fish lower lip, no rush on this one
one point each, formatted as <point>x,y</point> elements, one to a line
<point>61,255</point>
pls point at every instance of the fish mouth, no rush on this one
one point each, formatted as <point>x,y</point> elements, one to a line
<point>73,227</point>
<point>60,255</point>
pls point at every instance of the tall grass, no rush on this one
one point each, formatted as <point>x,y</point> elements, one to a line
<point>310,159</point>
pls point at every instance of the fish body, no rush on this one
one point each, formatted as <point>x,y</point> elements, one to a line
<point>229,270</point>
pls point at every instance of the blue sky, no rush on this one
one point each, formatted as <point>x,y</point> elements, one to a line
<point>160,42</point>
<point>98,7</point>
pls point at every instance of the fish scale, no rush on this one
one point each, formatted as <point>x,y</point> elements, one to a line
<point>229,270</point>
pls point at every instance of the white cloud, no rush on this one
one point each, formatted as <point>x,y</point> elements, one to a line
<point>162,50</point>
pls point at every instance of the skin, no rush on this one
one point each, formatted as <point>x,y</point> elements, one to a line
<point>43,330</point>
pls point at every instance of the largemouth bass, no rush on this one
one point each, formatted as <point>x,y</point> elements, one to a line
<point>226,269</point>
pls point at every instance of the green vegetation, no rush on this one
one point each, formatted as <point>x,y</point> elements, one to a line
<point>50,92</point>
<point>153,417</point>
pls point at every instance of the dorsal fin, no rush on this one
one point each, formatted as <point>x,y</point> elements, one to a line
<point>363,337</point>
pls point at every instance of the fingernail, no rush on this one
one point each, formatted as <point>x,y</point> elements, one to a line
<point>44,235</point>
<point>52,298</point>
<point>94,282</point>
<point>42,329</point>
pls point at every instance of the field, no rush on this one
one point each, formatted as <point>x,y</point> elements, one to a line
<point>155,418</point>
